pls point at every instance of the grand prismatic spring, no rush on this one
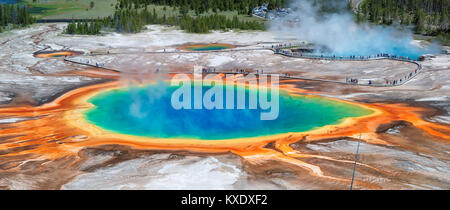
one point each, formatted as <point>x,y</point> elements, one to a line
<point>147,111</point>
<point>100,115</point>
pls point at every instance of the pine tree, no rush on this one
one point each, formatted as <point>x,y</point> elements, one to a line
<point>420,23</point>
<point>444,20</point>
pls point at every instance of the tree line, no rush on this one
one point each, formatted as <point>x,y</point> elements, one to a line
<point>91,27</point>
<point>132,20</point>
<point>14,16</point>
<point>430,17</point>
<point>203,6</point>
<point>203,24</point>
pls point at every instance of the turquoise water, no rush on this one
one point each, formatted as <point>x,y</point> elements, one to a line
<point>9,1</point>
<point>405,51</point>
<point>147,111</point>
<point>208,48</point>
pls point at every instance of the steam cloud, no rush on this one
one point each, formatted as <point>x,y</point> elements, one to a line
<point>341,36</point>
<point>140,101</point>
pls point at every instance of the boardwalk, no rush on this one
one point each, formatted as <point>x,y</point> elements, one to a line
<point>180,52</point>
<point>398,82</point>
<point>279,51</point>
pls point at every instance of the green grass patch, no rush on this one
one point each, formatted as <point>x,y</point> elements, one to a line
<point>67,9</point>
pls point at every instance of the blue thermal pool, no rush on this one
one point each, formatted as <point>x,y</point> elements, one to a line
<point>147,111</point>
<point>208,47</point>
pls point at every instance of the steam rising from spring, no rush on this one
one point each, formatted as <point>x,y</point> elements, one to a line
<point>137,78</point>
<point>339,35</point>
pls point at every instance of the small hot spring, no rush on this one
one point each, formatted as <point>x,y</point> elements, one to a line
<point>50,54</point>
<point>208,47</point>
<point>147,112</point>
